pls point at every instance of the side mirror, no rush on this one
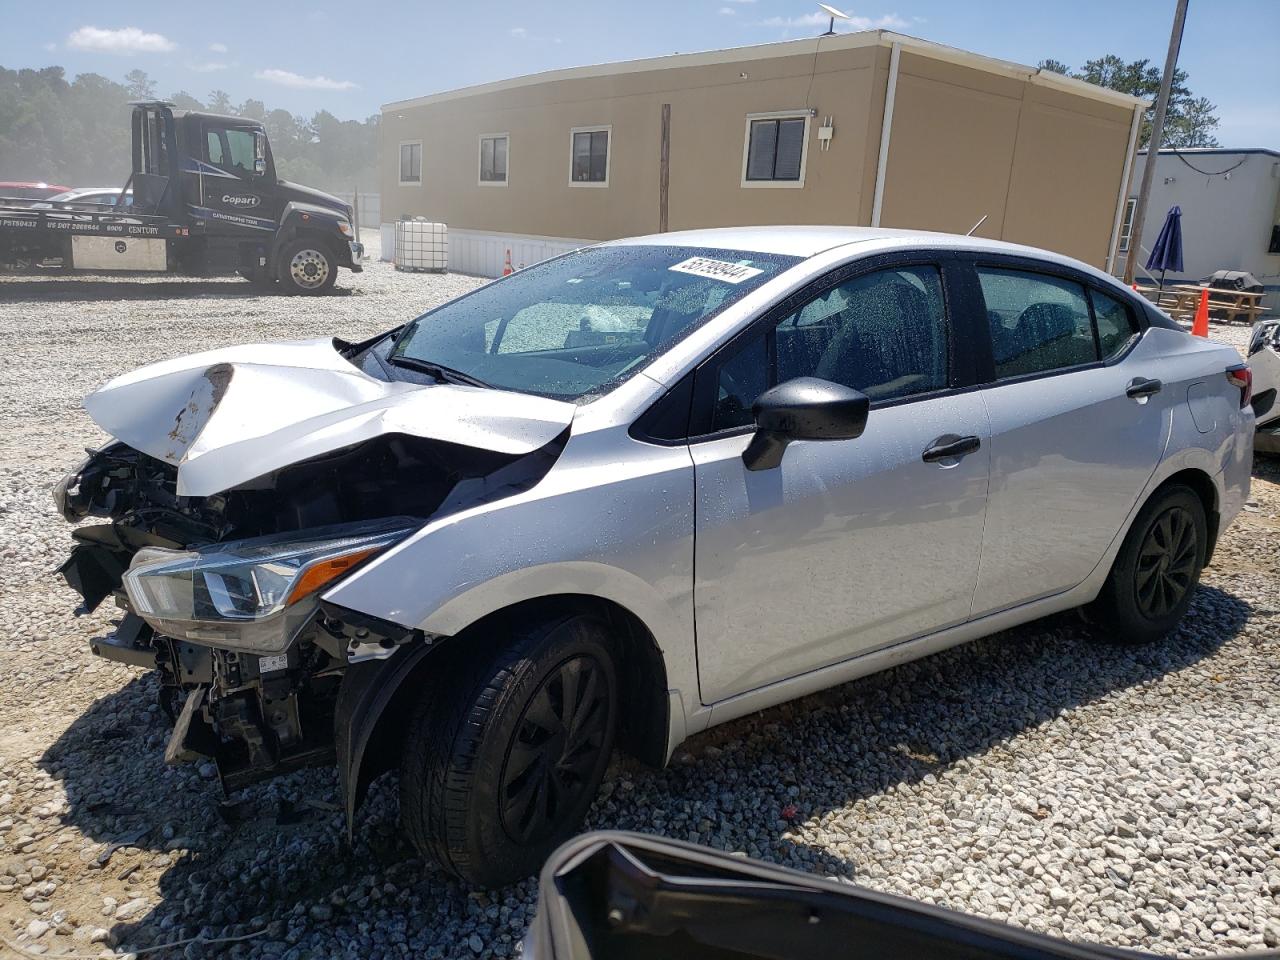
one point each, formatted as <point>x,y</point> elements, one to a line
<point>805,408</point>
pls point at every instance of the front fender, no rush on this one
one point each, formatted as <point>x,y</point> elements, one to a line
<point>297,218</point>
<point>367,690</point>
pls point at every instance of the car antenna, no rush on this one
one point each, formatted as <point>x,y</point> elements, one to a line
<point>977,225</point>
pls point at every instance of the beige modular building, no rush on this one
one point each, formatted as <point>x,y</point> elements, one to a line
<point>871,128</point>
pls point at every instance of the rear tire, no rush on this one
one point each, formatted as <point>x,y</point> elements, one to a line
<point>507,750</point>
<point>1156,572</point>
<point>307,267</point>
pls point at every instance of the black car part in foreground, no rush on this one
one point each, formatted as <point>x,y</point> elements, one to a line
<point>626,895</point>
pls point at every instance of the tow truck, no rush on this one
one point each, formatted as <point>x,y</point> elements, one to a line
<point>206,202</point>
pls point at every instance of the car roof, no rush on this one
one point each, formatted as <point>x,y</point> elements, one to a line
<point>809,241</point>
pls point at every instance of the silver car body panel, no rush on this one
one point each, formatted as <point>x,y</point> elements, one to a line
<point>618,518</point>
<point>227,417</point>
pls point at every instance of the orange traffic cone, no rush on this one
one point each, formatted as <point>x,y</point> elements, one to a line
<point>506,267</point>
<point>1200,325</point>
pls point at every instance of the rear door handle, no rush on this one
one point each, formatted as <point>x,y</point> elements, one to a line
<point>950,447</point>
<point>1140,388</point>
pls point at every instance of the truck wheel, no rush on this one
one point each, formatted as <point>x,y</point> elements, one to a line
<point>1156,571</point>
<point>307,266</point>
<point>505,754</point>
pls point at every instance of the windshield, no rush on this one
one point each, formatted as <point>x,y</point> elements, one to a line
<point>573,327</point>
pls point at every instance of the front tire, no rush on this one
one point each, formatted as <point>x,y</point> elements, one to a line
<point>307,267</point>
<point>1156,571</point>
<point>506,752</point>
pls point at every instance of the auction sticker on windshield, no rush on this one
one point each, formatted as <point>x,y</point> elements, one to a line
<point>716,269</point>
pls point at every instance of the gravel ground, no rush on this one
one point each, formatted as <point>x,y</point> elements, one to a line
<point>1122,796</point>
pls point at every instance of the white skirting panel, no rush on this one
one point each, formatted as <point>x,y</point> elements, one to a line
<point>484,254</point>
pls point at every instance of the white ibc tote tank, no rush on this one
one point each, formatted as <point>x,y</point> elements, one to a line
<point>422,245</point>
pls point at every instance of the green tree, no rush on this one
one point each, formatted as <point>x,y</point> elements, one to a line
<point>139,85</point>
<point>185,101</point>
<point>220,102</point>
<point>1189,121</point>
<point>77,132</point>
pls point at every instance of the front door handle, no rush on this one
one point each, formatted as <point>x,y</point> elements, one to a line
<point>950,447</point>
<point>1140,388</point>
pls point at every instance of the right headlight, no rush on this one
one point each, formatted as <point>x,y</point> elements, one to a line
<point>251,594</point>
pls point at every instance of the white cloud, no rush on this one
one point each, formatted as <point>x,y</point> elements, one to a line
<point>218,47</point>
<point>518,32</point>
<point>126,40</point>
<point>287,78</point>
<point>887,21</point>
<point>212,66</point>
<point>742,1</point>
<point>727,11</point>
<point>51,46</point>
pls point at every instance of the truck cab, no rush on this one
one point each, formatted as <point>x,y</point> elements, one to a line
<point>216,174</point>
<point>206,201</point>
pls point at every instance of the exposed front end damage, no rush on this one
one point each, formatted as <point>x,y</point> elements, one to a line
<point>221,591</point>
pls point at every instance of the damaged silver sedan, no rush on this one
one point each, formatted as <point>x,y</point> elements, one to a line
<point>635,491</point>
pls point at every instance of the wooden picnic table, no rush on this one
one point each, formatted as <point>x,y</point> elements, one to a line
<point>1180,300</point>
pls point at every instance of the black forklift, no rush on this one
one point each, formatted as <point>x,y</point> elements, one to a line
<point>205,202</point>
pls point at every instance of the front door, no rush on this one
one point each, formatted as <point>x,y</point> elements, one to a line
<point>848,545</point>
<point>235,189</point>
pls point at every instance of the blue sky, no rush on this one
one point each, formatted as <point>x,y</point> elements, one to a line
<point>351,57</point>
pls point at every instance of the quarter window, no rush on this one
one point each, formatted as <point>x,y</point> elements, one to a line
<point>493,159</point>
<point>775,150</point>
<point>1037,322</point>
<point>590,156</point>
<point>411,162</point>
<point>884,333</point>
<point>1115,324</point>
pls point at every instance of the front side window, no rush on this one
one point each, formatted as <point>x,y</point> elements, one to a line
<point>590,159</point>
<point>233,149</point>
<point>493,159</point>
<point>573,327</point>
<point>775,150</point>
<point>411,163</point>
<point>1038,322</point>
<point>884,333</point>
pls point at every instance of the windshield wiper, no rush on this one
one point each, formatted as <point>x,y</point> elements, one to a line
<point>442,373</point>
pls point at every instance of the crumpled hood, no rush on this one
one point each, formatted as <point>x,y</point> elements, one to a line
<point>226,417</point>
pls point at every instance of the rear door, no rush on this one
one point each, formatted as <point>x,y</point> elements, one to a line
<point>847,545</point>
<point>1076,428</point>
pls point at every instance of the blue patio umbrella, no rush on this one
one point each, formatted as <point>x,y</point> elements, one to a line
<point>1166,255</point>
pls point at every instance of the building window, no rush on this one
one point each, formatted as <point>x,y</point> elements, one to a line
<point>775,149</point>
<point>1126,225</point>
<point>411,163</point>
<point>493,159</point>
<point>589,157</point>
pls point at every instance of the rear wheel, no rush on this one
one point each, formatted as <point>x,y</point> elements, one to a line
<point>306,266</point>
<point>506,752</point>
<point>1156,571</point>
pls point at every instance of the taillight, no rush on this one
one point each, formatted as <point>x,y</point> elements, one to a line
<point>1241,376</point>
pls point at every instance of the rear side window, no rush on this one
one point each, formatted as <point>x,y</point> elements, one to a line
<point>884,333</point>
<point>1038,322</point>
<point>1116,325</point>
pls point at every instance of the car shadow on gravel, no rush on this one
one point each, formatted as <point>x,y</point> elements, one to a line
<point>832,749</point>
<point>276,862</point>
<point>77,291</point>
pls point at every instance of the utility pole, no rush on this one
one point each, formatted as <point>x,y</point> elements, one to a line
<point>1153,146</point>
